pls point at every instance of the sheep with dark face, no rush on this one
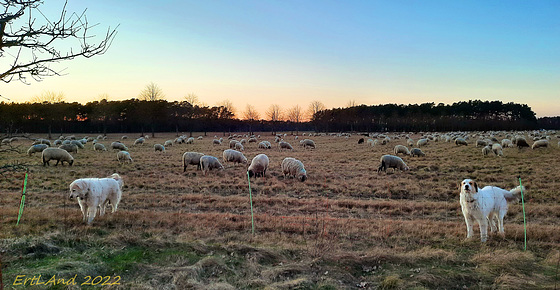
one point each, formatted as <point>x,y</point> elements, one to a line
<point>417,152</point>
<point>461,141</point>
<point>208,163</point>
<point>361,141</point>
<point>294,168</point>
<point>60,155</point>
<point>230,155</point>
<point>258,166</point>
<point>191,158</point>
<point>36,148</point>
<point>391,161</point>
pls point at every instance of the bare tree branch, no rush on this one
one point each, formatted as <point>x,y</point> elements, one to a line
<point>35,43</point>
<point>152,92</point>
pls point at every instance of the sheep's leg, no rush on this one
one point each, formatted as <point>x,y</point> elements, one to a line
<point>56,164</point>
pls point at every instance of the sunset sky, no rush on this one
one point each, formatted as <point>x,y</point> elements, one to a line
<point>294,52</point>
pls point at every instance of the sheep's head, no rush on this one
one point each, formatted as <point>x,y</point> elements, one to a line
<point>78,188</point>
<point>251,173</point>
<point>302,175</point>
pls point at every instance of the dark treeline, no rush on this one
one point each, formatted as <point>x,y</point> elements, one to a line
<point>471,115</point>
<point>134,115</point>
<point>127,116</point>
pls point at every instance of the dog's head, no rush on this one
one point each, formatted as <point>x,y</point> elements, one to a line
<point>469,186</point>
<point>78,188</point>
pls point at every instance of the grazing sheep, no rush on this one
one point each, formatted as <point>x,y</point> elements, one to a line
<point>99,147</point>
<point>124,137</point>
<point>159,147</point>
<point>294,168</point>
<point>42,141</point>
<point>486,150</point>
<point>123,156</point>
<point>57,142</point>
<point>422,142</point>
<point>410,142</point>
<point>285,145</point>
<point>481,143</point>
<point>391,161</point>
<point>361,141</point>
<point>506,143</point>
<point>119,146</point>
<point>179,140</point>
<point>94,193</point>
<point>36,148</point>
<point>168,143</point>
<point>208,163</point>
<point>417,152</point>
<point>307,143</point>
<point>258,166</point>
<point>191,158</point>
<point>232,143</point>
<point>521,142</point>
<point>239,146</point>
<point>540,144</point>
<point>252,140</point>
<point>461,141</point>
<point>139,141</point>
<point>191,140</point>
<point>57,154</point>
<point>497,149</point>
<point>370,142</point>
<point>243,141</point>
<point>71,148</point>
<point>264,145</point>
<point>230,155</point>
<point>401,149</point>
<point>216,142</point>
<point>65,142</point>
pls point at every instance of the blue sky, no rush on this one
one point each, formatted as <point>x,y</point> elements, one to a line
<point>294,52</point>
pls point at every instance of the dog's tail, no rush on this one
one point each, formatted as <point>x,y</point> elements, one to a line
<point>514,195</point>
<point>118,178</point>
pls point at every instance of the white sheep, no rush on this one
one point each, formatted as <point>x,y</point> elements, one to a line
<point>417,152</point>
<point>486,150</point>
<point>57,154</point>
<point>208,163</point>
<point>230,155</point>
<point>422,142</point>
<point>123,156</point>
<point>410,142</point>
<point>57,142</point>
<point>461,141</point>
<point>168,143</point>
<point>159,147</point>
<point>94,193</point>
<point>124,137</point>
<point>119,146</point>
<point>540,144</point>
<point>139,141</point>
<point>216,142</point>
<point>391,161</point>
<point>285,145</point>
<point>243,141</point>
<point>307,143</point>
<point>36,148</point>
<point>232,143</point>
<point>252,140</point>
<point>71,148</point>
<point>401,149</point>
<point>191,158</point>
<point>99,147</point>
<point>191,140</point>
<point>239,146</point>
<point>294,168</point>
<point>264,145</point>
<point>497,149</point>
<point>42,141</point>
<point>481,143</point>
<point>258,166</point>
<point>506,143</point>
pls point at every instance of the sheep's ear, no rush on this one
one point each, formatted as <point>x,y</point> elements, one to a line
<point>475,187</point>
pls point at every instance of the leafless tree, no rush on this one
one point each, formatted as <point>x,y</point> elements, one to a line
<point>30,44</point>
<point>295,115</point>
<point>315,107</point>
<point>274,114</point>
<point>151,92</point>
<point>228,105</point>
<point>351,103</point>
<point>49,97</point>
<point>193,99</point>
<point>103,96</point>
<point>250,113</point>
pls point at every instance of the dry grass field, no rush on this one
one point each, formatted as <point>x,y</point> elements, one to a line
<point>346,227</point>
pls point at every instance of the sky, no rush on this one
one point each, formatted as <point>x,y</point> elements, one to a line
<point>292,52</point>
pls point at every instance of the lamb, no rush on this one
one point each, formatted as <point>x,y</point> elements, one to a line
<point>401,149</point>
<point>294,168</point>
<point>308,143</point>
<point>497,149</point>
<point>422,142</point>
<point>239,146</point>
<point>159,147</point>
<point>119,146</point>
<point>168,143</point>
<point>230,155</point>
<point>93,193</point>
<point>36,148</point>
<point>139,141</point>
<point>461,141</point>
<point>71,148</point>
<point>417,152</point>
<point>486,150</point>
<point>123,156</point>
<point>208,163</point>
<point>57,154</point>
<point>391,161</point>
<point>99,147</point>
<point>540,143</point>
<point>191,158</point>
<point>285,145</point>
<point>258,166</point>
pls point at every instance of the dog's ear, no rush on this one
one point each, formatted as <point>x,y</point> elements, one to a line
<point>475,187</point>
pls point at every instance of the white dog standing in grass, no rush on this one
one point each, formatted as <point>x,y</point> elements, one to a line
<point>93,193</point>
<point>485,205</point>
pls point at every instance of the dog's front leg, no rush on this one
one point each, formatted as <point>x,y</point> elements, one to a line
<point>469,222</point>
<point>483,224</point>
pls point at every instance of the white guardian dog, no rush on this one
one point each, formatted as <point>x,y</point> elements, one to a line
<point>93,193</point>
<point>486,205</point>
